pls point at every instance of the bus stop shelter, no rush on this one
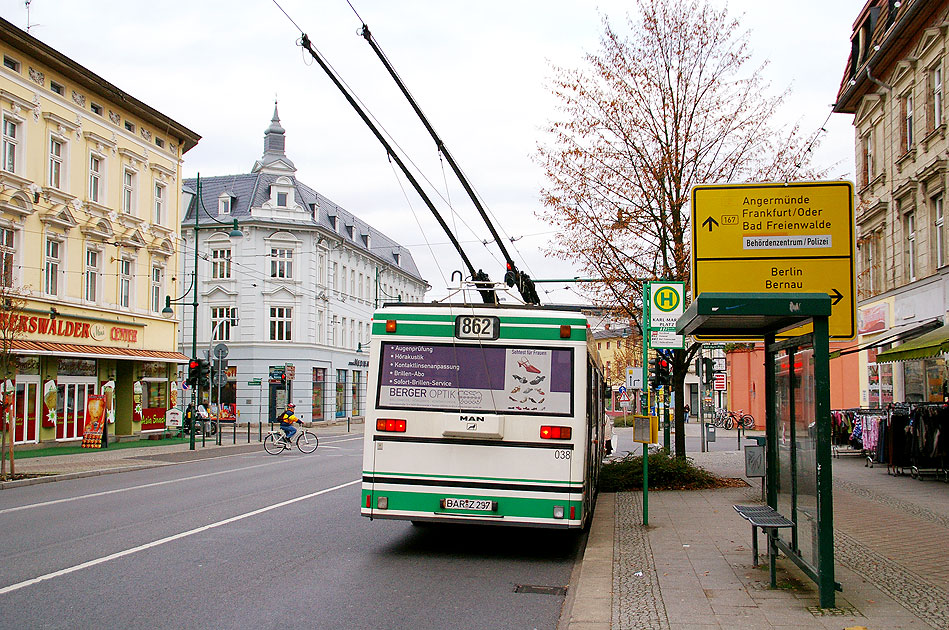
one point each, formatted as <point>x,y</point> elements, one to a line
<point>798,479</point>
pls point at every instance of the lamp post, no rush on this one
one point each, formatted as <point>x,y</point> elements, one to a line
<point>168,312</point>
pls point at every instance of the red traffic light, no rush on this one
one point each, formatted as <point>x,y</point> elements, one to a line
<point>193,364</point>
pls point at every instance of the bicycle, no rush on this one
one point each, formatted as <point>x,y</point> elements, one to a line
<point>728,420</point>
<point>276,441</point>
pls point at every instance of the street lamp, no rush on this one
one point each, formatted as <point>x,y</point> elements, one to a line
<point>168,312</point>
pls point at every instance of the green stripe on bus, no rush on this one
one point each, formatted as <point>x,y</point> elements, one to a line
<point>447,331</point>
<point>508,507</point>
<point>578,484</point>
<point>450,319</point>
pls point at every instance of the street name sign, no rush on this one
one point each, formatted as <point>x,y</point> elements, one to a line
<point>777,238</point>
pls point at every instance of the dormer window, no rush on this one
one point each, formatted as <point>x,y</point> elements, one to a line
<point>281,199</point>
<point>224,203</point>
<point>334,222</point>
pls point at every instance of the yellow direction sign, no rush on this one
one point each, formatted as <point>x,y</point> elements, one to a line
<point>777,238</point>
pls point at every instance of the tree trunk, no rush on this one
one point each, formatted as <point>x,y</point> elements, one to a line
<point>679,369</point>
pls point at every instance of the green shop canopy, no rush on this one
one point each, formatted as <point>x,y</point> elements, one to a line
<point>932,344</point>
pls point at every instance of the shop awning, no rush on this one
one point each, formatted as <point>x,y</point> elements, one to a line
<point>932,344</point>
<point>893,335</point>
<point>49,348</point>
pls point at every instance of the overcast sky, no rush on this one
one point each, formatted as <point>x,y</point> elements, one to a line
<point>478,71</point>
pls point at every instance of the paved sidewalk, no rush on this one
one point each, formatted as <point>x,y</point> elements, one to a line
<point>691,568</point>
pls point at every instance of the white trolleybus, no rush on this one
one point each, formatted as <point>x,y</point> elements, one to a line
<point>482,414</point>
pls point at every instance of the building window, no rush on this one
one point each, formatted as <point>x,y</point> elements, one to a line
<point>95,178</point>
<point>220,264</point>
<point>906,130</point>
<point>910,226</point>
<point>159,204</point>
<point>92,275</point>
<point>56,87</point>
<point>128,192</point>
<point>129,127</point>
<point>51,269</point>
<point>224,205</point>
<point>281,323</point>
<point>158,275</point>
<point>867,166</point>
<point>222,319</point>
<point>281,263</point>
<point>940,238</point>
<point>937,96</point>
<point>6,257</point>
<point>282,199</point>
<point>96,109</point>
<point>56,150</point>
<point>125,282</point>
<point>11,144</point>
<point>11,63</point>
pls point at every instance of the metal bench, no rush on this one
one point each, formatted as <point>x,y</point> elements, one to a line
<point>769,520</point>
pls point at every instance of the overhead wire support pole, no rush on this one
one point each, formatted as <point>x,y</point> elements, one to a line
<point>489,297</point>
<point>524,283</point>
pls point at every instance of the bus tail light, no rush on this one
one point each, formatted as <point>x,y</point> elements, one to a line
<point>390,425</point>
<point>558,511</point>
<point>555,433</point>
<point>565,331</point>
<point>390,325</point>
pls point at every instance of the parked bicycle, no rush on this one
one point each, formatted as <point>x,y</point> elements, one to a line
<point>726,419</point>
<point>277,442</point>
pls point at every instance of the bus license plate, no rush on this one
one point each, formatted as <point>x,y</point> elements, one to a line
<point>481,505</point>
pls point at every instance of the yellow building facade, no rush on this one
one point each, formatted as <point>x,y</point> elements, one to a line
<point>89,214</point>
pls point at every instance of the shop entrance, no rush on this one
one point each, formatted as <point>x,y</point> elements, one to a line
<point>71,405</point>
<point>27,410</point>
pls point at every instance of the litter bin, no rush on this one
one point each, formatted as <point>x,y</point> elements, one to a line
<point>709,432</point>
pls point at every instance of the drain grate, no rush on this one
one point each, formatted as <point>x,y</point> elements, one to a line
<point>540,590</point>
<point>817,611</point>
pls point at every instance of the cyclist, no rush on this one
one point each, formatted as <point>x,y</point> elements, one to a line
<point>287,419</point>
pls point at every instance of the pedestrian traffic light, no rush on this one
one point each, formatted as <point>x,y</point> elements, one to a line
<point>193,372</point>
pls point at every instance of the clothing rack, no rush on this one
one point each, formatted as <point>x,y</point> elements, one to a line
<point>917,440</point>
<point>857,431</point>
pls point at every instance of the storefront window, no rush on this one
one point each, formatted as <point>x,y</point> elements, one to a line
<point>155,394</point>
<point>76,367</point>
<point>914,382</point>
<point>319,382</point>
<point>357,379</point>
<point>340,393</point>
<point>936,386</point>
<point>880,380</point>
<point>27,366</point>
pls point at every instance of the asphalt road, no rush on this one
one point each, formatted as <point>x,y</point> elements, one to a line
<point>261,541</point>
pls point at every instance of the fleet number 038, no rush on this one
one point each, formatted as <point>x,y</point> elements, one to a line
<point>560,454</point>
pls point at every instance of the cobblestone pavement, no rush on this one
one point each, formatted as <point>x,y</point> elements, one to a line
<point>637,603</point>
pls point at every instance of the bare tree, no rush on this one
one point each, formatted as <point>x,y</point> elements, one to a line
<point>669,105</point>
<point>12,303</point>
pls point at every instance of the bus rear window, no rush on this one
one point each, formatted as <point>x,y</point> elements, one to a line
<point>492,379</point>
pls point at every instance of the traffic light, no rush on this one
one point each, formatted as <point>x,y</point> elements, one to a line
<point>193,372</point>
<point>708,366</point>
<point>660,371</point>
<point>204,372</point>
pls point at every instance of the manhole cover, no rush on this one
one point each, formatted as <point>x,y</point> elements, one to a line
<point>540,590</point>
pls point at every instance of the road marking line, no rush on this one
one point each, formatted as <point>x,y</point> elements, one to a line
<point>117,490</point>
<point>157,483</point>
<point>168,539</point>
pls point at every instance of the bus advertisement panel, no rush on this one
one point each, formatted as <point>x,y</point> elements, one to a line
<point>493,379</point>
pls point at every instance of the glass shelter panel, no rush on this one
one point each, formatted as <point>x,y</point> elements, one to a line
<point>797,451</point>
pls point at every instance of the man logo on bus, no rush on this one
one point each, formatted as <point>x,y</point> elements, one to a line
<point>666,299</point>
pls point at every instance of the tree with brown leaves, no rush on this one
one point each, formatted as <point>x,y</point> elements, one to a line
<point>12,303</point>
<point>671,104</point>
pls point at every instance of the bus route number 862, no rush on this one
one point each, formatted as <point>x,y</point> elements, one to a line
<point>477,327</point>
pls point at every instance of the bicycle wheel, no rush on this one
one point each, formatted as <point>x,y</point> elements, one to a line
<point>273,444</point>
<point>729,423</point>
<point>212,427</point>
<point>748,421</point>
<point>307,442</point>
